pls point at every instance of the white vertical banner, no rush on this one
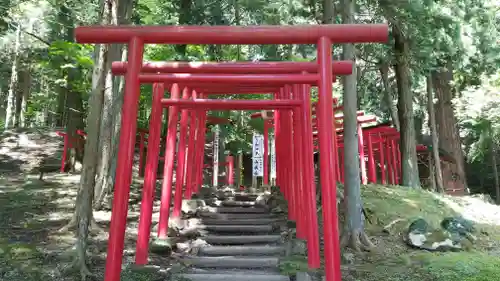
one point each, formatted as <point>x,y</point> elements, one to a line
<point>273,159</point>
<point>216,156</point>
<point>258,155</point>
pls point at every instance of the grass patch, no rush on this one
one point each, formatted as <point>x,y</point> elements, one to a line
<point>20,261</point>
<point>386,205</point>
<point>293,264</point>
<point>463,266</point>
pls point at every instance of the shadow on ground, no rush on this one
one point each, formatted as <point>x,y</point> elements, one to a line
<point>26,227</point>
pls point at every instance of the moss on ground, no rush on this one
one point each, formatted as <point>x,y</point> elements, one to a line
<point>387,205</point>
<point>394,261</point>
<point>471,266</point>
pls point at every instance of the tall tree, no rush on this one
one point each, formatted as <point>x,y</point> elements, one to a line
<point>113,97</point>
<point>388,96</point>
<point>14,77</point>
<point>449,136</point>
<point>354,234</point>
<point>83,215</point>
<point>494,165</point>
<point>438,178</point>
<point>409,166</point>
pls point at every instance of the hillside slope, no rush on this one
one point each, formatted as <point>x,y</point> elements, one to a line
<point>390,212</point>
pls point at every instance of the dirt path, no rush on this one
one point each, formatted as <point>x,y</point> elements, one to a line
<point>32,212</point>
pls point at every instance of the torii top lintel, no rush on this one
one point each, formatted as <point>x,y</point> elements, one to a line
<point>247,35</point>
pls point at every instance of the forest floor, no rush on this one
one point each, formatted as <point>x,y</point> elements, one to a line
<point>32,212</point>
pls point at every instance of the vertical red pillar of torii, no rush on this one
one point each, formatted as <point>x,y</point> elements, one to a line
<point>151,168</point>
<point>191,150</point>
<point>309,180</point>
<point>181,157</point>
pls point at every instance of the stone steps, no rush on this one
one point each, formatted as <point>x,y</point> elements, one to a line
<point>235,228</point>
<point>241,221</point>
<point>233,203</point>
<point>235,210</point>
<point>263,271</point>
<point>235,277</point>
<point>205,214</point>
<point>233,262</point>
<point>243,243</point>
<point>242,239</point>
<point>245,250</point>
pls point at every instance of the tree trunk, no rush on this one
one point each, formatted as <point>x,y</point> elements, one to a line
<point>19,98</point>
<point>87,181</point>
<point>26,88</point>
<point>3,103</point>
<point>237,20</point>
<point>432,174</point>
<point>237,170</point>
<point>435,137</point>
<point>328,12</point>
<point>353,234</point>
<point>409,167</point>
<point>111,113</point>
<point>495,168</point>
<point>388,95</point>
<point>184,19</point>
<point>241,178</point>
<point>104,133</point>
<point>11,97</point>
<point>449,136</point>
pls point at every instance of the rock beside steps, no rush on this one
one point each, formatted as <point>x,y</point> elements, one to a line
<point>244,243</point>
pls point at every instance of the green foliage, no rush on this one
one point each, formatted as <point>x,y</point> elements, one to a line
<point>477,111</point>
<point>460,266</point>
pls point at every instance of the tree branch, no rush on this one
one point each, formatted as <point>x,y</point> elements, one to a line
<point>29,33</point>
<point>36,37</point>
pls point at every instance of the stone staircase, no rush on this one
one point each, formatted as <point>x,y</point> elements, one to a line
<point>244,242</point>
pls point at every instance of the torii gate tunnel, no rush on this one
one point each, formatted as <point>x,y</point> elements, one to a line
<point>288,101</point>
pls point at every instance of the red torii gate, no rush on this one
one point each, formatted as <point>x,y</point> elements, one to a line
<point>70,143</point>
<point>387,141</point>
<point>361,145</point>
<point>136,37</point>
<point>384,140</point>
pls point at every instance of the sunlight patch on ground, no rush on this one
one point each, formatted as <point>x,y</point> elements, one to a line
<point>410,202</point>
<point>65,201</point>
<point>64,178</point>
<point>102,216</point>
<point>473,209</point>
<point>58,216</point>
